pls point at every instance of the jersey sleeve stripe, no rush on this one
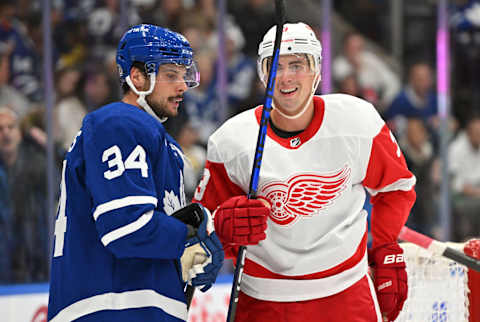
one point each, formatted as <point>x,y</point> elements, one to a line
<point>127,229</point>
<point>404,184</point>
<point>122,301</point>
<point>123,202</point>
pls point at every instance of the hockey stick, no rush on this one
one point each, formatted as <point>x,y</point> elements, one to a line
<point>257,161</point>
<point>438,248</point>
<point>192,215</point>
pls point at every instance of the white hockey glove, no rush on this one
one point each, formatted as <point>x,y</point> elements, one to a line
<point>204,274</point>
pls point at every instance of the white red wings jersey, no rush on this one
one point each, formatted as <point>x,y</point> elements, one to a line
<point>315,182</point>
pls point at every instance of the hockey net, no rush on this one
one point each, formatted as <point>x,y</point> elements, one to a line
<point>439,289</point>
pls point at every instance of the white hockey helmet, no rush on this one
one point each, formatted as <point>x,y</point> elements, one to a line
<point>297,38</point>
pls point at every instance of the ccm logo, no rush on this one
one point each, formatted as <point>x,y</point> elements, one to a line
<point>390,259</point>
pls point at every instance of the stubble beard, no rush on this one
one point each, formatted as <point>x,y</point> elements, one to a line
<point>161,108</point>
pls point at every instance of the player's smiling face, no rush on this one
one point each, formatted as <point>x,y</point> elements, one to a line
<point>169,89</point>
<point>293,83</point>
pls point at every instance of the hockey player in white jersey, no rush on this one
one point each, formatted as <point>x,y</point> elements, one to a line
<point>119,253</point>
<point>307,251</point>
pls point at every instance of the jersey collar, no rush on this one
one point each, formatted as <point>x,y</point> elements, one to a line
<point>297,141</point>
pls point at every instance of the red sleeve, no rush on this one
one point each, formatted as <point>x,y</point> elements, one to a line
<point>214,188</point>
<point>391,185</point>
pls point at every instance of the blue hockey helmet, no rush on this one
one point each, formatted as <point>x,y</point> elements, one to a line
<point>155,46</point>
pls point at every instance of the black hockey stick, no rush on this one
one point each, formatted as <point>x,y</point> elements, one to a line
<point>257,161</point>
<point>438,248</point>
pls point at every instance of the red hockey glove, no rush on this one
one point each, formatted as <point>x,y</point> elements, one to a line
<point>390,278</point>
<point>241,221</point>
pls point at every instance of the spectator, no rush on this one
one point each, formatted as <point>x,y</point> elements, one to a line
<point>201,103</point>
<point>464,163</point>
<point>350,85</point>
<point>417,99</point>
<point>419,155</point>
<point>207,9</point>
<point>8,25</point>
<point>33,129</point>
<point>241,69</point>
<point>168,13</point>
<point>72,42</point>
<point>23,43</point>
<point>105,26</point>
<point>97,89</point>
<point>69,110</point>
<point>372,72</point>
<point>10,96</point>
<point>196,156</point>
<point>196,29</point>
<point>23,166</point>
<point>26,59</point>
<point>9,140</point>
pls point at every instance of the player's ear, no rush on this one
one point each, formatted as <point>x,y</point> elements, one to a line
<point>138,79</point>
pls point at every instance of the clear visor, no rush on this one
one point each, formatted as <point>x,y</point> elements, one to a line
<point>175,73</point>
<point>300,65</point>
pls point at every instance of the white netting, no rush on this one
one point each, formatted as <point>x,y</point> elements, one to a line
<point>437,288</point>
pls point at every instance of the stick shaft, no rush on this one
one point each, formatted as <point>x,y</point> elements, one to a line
<point>257,161</point>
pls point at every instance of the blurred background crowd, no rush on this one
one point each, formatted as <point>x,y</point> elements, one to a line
<point>396,74</point>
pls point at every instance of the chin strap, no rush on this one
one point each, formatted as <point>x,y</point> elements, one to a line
<point>305,107</point>
<point>142,94</point>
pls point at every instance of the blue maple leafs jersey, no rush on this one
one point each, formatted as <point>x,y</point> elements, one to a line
<point>116,251</point>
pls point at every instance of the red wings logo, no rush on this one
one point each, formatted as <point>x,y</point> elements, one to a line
<point>304,194</point>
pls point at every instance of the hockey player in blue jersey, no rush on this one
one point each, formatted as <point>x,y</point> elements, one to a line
<point>119,254</point>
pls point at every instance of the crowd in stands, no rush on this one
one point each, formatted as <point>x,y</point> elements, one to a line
<point>86,32</point>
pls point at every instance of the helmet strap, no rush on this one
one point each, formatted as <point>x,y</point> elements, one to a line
<point>142,94</point>
<point>305,107</point>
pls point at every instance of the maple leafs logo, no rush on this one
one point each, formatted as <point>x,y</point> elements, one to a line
<point>304,194</point>
<point>171,203</point>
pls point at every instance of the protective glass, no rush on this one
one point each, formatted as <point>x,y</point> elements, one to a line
<point>175,73</point>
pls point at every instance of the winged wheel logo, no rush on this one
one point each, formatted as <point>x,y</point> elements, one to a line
<point>304,194</point>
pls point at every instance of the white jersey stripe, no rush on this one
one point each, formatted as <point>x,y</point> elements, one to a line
<point>374,297</point>
<point>302,290</point>
<point>127,229</point>
<point>123,202</point>
<point>402,184</point>
<point>122,301</point>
